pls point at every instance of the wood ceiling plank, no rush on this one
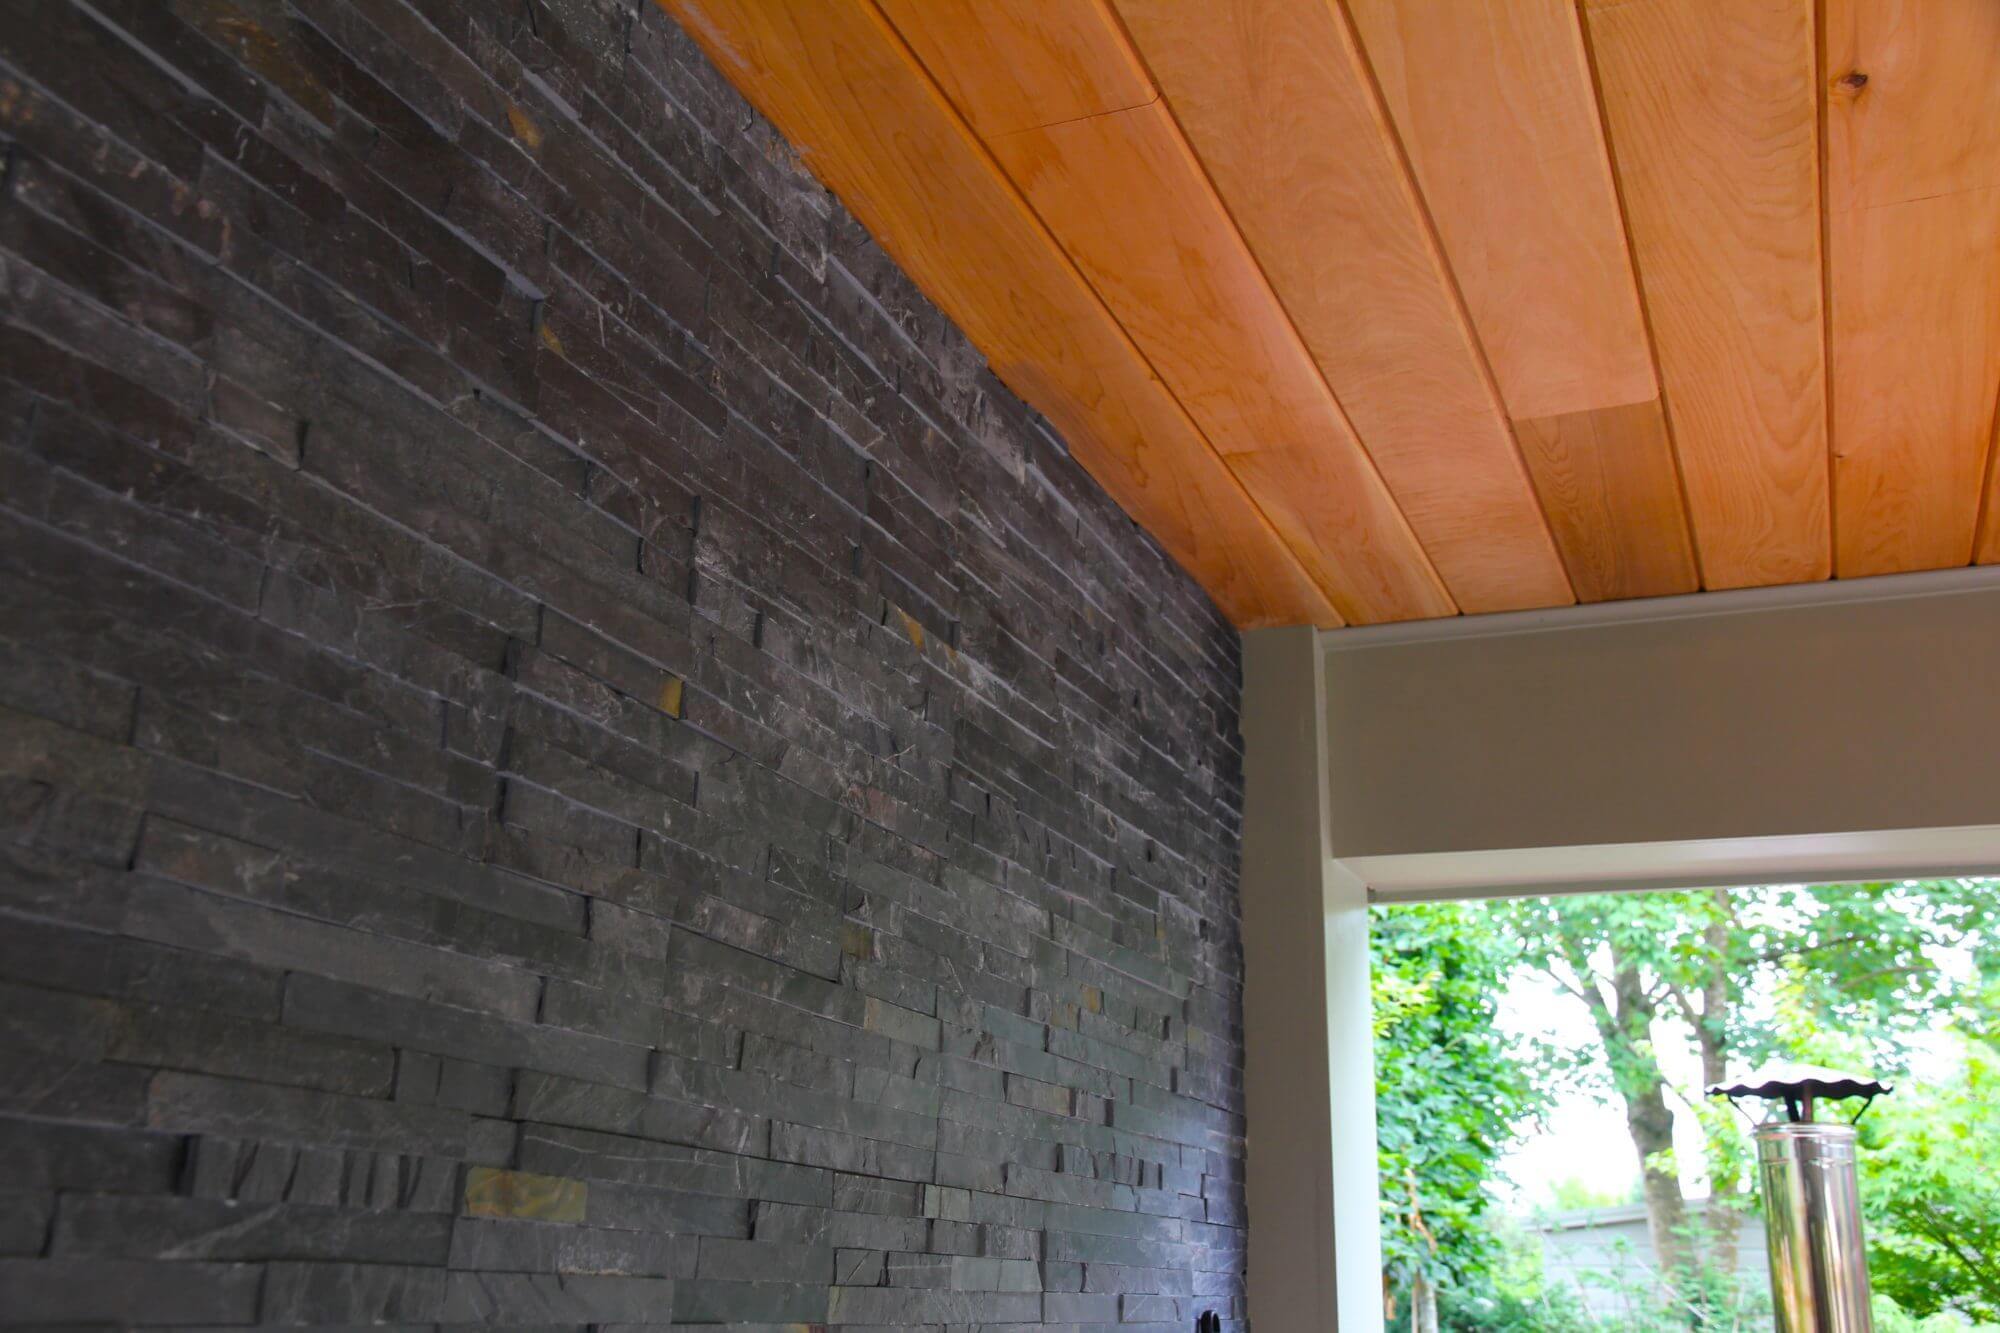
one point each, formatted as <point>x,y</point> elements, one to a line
<point>1124,196</point>
<point>1494,103</point>
<point>1712,117</point>
<point>1072,69</point>
<point>1921,121</point>
<point>1608,483</point>
<point>1916,356</point>
<point>1913,228</point>
<point>870,123</point>
<point>1281,110</point>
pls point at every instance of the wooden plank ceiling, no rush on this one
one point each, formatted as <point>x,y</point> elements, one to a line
<point>1377,310</point>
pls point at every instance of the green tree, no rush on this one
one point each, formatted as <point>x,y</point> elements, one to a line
<point>1857,958</point>
<point>1514,1294</point>
<point>1892,1318</point>
<point>1576,1195</point>
<point>1451,1093</point>
<point>1930,1192</point>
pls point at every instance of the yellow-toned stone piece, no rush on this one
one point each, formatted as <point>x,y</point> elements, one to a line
<point>525,129</point>
<point>911,627</point>
<point>490,1192</point>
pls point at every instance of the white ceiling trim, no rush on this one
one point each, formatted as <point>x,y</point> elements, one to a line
<point>1691,606</point>
<point>1720,862</point>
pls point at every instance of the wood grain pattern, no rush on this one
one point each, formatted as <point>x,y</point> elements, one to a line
<point>1175,273</point>
<point>1058,62</point>
<point>1608,482</point>
<point>1712,115</point>
<point>1123,195</point>
<point>1494,104</point>
<point>835,78</point>
<point>1913,199</point>
<point>1923,118</point>
<point>1381,309</point>
<point>1916,356</point>
<point>1280,107</point>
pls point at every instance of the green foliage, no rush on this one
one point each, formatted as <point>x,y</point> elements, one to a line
<point>1932,1196</point>
<point>1861,960</point>
<point>1749,975</point>
<point>1840,974</point>
<point>1539,1310</point>
<point>1892,1318</point>
<point>1854,958</point>
<point>1512,1295</point>
<point>1515,1296</point>
<point>1703,1295</point>
<point>1576,1195</point>
<point>1451,1091</point>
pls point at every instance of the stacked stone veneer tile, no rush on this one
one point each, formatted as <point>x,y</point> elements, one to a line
<point>567,755</point>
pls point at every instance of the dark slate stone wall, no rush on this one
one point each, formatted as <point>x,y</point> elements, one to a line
<point>567,755</point>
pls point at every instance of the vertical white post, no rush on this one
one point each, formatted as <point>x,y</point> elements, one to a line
<point>1315,1246</point>
<point>1350,1035</point>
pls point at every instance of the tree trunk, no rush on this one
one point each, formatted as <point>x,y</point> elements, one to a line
<point>1624,1022</point>
<point>1650,1122</point>
<point>1721,1222</point>
<point>1635,1072</point>
<point>1423,1306</point>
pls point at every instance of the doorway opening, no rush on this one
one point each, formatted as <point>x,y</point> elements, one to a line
<point>1548,1160</point>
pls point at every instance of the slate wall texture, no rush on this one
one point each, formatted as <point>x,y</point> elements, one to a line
<point>567,755</point>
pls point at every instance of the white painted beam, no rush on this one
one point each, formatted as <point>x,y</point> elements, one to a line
<point>1690,606</point>
<point>1816,858</point>
<point>1690,740</point>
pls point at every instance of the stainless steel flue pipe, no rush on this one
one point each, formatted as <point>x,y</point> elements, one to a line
<point>1812,1222</point>
<point>1812,1200</point>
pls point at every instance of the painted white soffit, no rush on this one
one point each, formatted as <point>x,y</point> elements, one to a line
<point>1819,857</point>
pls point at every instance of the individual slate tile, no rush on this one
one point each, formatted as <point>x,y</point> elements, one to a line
<point>490,1192</point>
<point>545,1247</point>
<point>134,1227</point>
<point>347,1293</point>
<point>119,1291</point>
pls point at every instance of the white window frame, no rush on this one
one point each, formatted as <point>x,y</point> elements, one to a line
<point>1314,1244</point>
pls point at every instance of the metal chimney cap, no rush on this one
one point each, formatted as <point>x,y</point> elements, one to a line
<point>1801,1082</point>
